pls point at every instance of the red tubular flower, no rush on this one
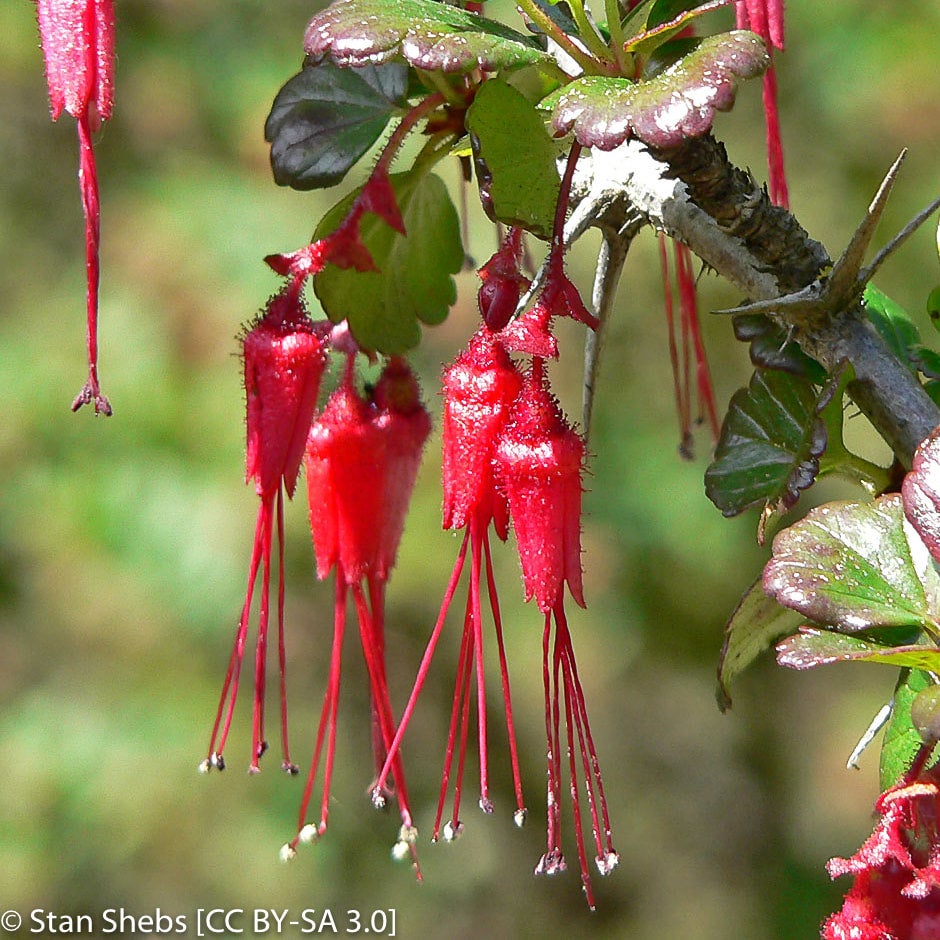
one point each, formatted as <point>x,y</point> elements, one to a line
<point>539,460</point>
<point>284,358</point>
<point>78,45</point>
<point>357,452</point>
<point>765,17</point>
<point>896,894</point>
<point>478,390</point>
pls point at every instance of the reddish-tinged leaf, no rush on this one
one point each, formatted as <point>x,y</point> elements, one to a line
<point>678,103</point>
<point>814,647</point>
<point>855,566</point>
<point>429,35</point>
<point>921,493</point>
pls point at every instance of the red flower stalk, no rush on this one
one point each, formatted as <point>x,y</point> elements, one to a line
<point>78,44</point>
<point>539,459</point>
<point>343,247</point>
<point>284,358</point>
<point>478,390</point>
<point>531,332</point>
<point>361,461</point>
<point>680,353</point>
<point>765,17</point>
<point>896,894</point>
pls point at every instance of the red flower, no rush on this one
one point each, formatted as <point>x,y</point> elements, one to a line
<point>358,451</point>
<point>78,45</point>
<point>896,894</point>
<point>284,358</point>
<point>502,282</point>
<point>479,388</point>
<point>539,460</point>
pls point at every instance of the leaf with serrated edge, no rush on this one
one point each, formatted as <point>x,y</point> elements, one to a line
<point>814,647</point>
<point>414,281</point>
<point>678,103</point>
<point>770,444</point>
<point>901,740</point>
<point>428,35</point>
<point>510,138</point>
<point>854,566</point>
<point>921,492</point>
<point>756,623</point>
<point>326,118</point>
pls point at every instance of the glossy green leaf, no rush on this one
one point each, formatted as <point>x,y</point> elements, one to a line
<point>413,283</point>
<point>901,741</point>
<point>666,19</point>
<point>428,35</point>
<point>770,444</point>
<point>815,647</point>
<point>757,622</point>
<point>678,103</point>
<point>515,159</point>
<point>326,118</point>
<point>772,349</point>
<point>854,566</point>
<point>892,322</point>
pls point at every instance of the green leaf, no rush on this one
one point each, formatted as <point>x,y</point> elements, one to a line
<point>515,159</point>
<point>770,444</point>
<point>815,647</point>
<point>757,622</point>
<point>933,304</point>
<point>414,280</point>
<point>678,103</point>
<point>892,322</point>
<point>666,19</point>
<point>901,741</point>
<point>854,566</point>
<point>431,36</point>
<point>326,118</point>
<point>772,349</point>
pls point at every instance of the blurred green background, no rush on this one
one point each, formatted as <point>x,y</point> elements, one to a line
<point>124,543</point>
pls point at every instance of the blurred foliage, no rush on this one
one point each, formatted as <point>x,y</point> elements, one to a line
<point>124,543</point>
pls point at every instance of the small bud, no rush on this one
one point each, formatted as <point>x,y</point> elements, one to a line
<point>287,853</point>
<point>551,863</point>
<point>400,851</point>
<point>607,862</point>
<point>486,805</point>
<point>408,834</point>
<point>518,817</point>
<point>309,834</point>
<point>452,830</point>
<point>378,798</point>
<point>205,766</point>
<point>925,714</point>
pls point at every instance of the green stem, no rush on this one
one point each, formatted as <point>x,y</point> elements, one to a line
<point>587,33</point>
<point>591,64</point>
<point>612,9</point>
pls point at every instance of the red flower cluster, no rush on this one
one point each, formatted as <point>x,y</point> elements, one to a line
<point>896,894</point>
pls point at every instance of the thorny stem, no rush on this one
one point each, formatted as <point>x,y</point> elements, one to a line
<point>406,125</point>
<point>591,64</point>
<point>729,222</point>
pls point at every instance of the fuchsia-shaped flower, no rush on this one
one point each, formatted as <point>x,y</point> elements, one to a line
<point>284,357</point>
<point>361,461</point>
<point>765,17</point>
<point>539,460</point>
<point>896,894</point>
<point>78,45</point>
<point>479,388</point>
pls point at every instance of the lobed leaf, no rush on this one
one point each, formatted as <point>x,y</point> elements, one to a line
<point>515,159</point>
<point>413,282</point>
<point>757,622</point>
<point>428,35</point>
<point>901,741</point>
<point>815,647</point>
<point>326,118</point>
<point>770,444</point>
<point>921,492</point>
<point>678,103</point>
<point>854,566</point>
